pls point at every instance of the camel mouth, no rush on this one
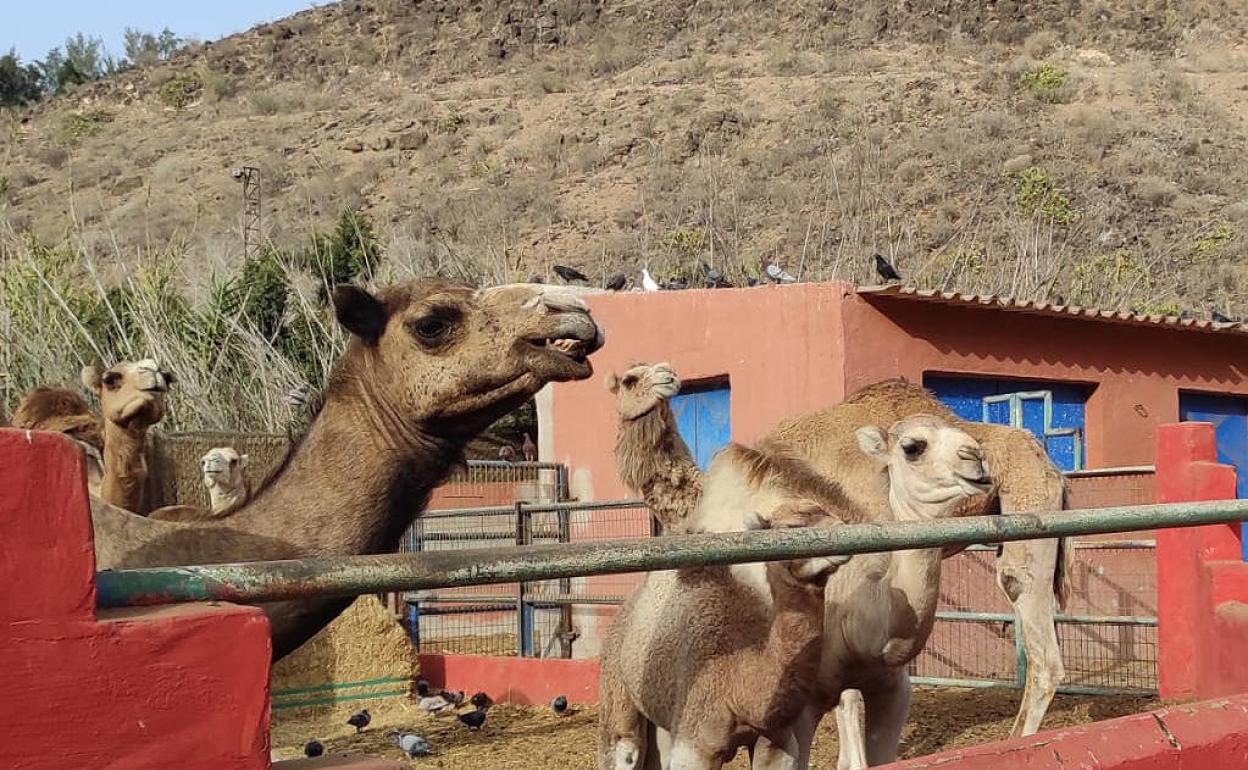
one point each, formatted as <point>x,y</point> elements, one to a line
<point>982,484</point>
<point>575,350</point>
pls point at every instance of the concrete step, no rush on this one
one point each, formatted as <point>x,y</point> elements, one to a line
<point>339,762</point>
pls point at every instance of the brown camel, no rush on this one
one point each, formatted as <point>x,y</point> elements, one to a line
<point>430,364</point>
<point>703,656</point>
<point>61,410</point>
<point>651,457</point>
<point>1031,573</point>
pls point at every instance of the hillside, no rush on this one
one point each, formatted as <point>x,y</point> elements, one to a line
<point>1084,149</point>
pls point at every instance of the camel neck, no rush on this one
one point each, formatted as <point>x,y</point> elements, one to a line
<point>655,462</point>
<point>125,466</point>
<point>349,487</point>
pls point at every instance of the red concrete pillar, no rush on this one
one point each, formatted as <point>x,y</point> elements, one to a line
<point>1187,470</point>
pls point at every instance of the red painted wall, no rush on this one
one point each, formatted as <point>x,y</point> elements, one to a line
<point>1202,582</point>
<point>524,681</point>
<point>132,689</point>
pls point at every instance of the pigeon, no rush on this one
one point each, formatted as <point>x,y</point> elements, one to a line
<point>473,719</point>
<point>481,700</point>
<point>615,282</point>
<point>529,449</point>
<point>677,284</point>
<point>535,278</point>
<point>411,744</point>
<point>714,278</point>
<point>454,698</point>
<point>751,281</point>
<point>570,274</point>
<point>313,749</point>
<point>647,281</point>
<point>559,705</point>
<point>422,688</point>
<point>777,273</point>
<point>360,719</point>
<point>1220,318</point>
<point>435,704</point>
<point>506,454</point>
<point>885,270</point>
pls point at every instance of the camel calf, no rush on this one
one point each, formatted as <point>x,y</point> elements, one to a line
<point>225,476</point>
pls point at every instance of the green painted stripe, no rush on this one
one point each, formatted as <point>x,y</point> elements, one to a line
<point>335,699</point>
<point>340,685</point>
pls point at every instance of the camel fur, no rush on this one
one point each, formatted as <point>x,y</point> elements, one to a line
<point>651,457</point>
<point>684,657</point>
<point>430,364</point>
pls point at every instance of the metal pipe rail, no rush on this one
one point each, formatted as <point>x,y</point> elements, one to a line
<point>254,582</point>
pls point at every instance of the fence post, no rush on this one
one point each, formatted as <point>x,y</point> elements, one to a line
<point>565,589</point>
<point>524,611</point>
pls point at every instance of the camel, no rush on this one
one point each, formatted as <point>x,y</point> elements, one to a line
<point>225,476</point>
<point>651,457</point>
<point>718,658</point>
<point>1031,573</point>
<point>429,365</point>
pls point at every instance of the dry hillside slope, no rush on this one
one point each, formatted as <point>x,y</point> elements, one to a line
<point>1091,150</point>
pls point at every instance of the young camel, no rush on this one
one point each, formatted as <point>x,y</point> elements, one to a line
<point>651,457</point>
<point>229,488</point>
<point>430,364</point>
<point>712,671</point>
<point>1031,573</point>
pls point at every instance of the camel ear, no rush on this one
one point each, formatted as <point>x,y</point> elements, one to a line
<point>873,442</point>
<point>360,313</point>
<point>754,520</point>
<point>91,378</point>
<point>612,382</point>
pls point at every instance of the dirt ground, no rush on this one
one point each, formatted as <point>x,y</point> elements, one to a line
<point>525,737</point>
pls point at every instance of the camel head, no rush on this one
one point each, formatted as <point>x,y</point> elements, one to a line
<point>799,513</point>
<point>224,467</point>
<point>931,465</point>
<point>642,387</point>
<point>441,359</point>
<point>132,394</point>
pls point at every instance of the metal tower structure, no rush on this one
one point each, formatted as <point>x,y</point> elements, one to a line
<point>250,177</point>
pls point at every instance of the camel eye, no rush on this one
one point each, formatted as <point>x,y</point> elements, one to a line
<point>111,380</point>
<point>629,380</point>
<point>431,328</point>
<point>233,463</point>
<point>913,447</point>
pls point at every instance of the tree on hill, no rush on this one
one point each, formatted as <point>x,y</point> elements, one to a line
<point>19,83</point>
<point>145,48</point>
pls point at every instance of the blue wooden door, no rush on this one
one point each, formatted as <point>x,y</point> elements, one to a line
<point>702,417</point>
<point>1053,412</point>
<point>1229,416</point>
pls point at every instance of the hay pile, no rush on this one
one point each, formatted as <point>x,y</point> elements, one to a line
<point>363,657</point>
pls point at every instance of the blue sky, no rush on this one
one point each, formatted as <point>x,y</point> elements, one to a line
<point>34,27</point>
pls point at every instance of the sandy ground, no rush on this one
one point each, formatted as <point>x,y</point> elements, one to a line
<point>528,737</point>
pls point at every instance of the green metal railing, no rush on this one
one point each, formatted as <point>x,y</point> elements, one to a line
<point>355,575</point>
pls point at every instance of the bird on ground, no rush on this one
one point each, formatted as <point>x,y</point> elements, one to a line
<point>506,454</point>
<point>647,281</point>
<point>313,749</point>
<point>676,284</point>
<point>422,688</point>
<point>570,274</point>
<point>481,700</point>
<point>559,705</point>
<point>473,719</point>
<point>435,704</point>
<point>529,449</point>
<point>411,744</point>
<point>776,273</point>
<point>535,278</point>
<point>360,719</point>
<point>615,282</point>
<point>751,281</point>
<point>1220,318</point>
<point>454,697</point>
<point>886,271</point>
<point>714,278</point>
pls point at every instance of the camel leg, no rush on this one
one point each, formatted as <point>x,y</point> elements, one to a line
<point>772,755</point>
<point>1025,571</point>
<point>849,728</point>
<point>685,755</point>
<point>888,706</point>
<point>659,752</point>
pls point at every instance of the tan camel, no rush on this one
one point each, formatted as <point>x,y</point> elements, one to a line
<point>229,488</point>
<point>1031,573</point>
<point>651,457</point>
<point>703,655</point>
<point>430,365</point>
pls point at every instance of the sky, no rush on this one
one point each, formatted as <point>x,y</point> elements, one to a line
<point>34,27</point>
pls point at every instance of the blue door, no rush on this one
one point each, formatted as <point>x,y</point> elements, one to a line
<point>1229,416</point>
<point>1053,412</point>
<point>702,417</point>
